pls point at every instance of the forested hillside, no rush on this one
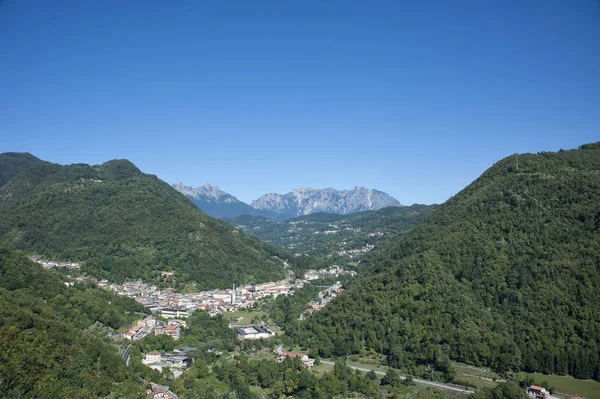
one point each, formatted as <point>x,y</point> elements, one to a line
<point>332,238</point>
<point>504,274</point>
<point>12,163</point>
<point>122,223</point>
<point>45,350</point>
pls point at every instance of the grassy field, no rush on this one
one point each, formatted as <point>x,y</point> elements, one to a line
<point>245,317</point>
<point>479,377</point>
<point>589,389</point>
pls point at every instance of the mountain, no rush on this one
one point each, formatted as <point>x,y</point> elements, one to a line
<point>12,163</point>
<point>504,274</point>
<point>341,239</point>
<point>51,335</point>
<point>216,202</point>
<point>305,201</point>
<point>122,223</point>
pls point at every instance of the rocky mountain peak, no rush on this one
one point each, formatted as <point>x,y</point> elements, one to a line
<point>304,201</point>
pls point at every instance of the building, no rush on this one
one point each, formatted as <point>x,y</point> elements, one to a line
<point>306,361</point>
<point>172,313</point>
<point>253,332</point>
<point>537,392</point>
<point>152,357</point>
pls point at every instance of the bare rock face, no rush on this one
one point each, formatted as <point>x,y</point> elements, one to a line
<point>305,201</point>
<point>216,202</point>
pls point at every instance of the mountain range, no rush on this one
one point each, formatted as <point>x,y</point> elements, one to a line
<point>304,201</point>
<point>217,203</point>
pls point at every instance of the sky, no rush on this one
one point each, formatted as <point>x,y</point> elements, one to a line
<point>414,98</point>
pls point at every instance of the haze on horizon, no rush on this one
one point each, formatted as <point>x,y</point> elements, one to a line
<point>415,100</point>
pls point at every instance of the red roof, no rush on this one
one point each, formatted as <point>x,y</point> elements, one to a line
<point>293,355</point>
<point>153,353</point>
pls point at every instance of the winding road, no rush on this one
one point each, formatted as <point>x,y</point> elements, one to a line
<point>125,355</point>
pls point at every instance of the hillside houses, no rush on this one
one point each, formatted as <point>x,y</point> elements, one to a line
<point>151,325</point>
<point>177,361</point>
<point>49,264</point>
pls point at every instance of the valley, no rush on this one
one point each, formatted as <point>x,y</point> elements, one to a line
<point>420,301</point>
<point>324,238</point>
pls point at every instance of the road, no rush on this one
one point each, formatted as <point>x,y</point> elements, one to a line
<point>125,355</point>
<point>417,380</point>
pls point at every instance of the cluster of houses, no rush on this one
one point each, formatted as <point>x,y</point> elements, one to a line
<point>170,304</point>
<point>326,295</point>
<point>333,271</point>
<point>177,362</point>
<point>352,252</point>
<point>151,325</point>
<point>49,264</point>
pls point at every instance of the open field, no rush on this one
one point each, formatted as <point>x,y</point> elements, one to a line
<point>480,377</point>
<point>589,389</point>
<point>245,317</point>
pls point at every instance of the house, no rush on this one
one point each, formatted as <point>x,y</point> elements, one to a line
<point>306,361</point>
<point>152,357</point>
<point>166,274</point>
<point>537,392</point>
<point>160,392</point>
<point>172,330</point>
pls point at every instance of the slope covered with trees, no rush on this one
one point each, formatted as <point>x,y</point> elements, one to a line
<point>504,274</point>
<point>12,163</point>
<point>326,237</point>
<point>45,350</point>
<point>122,223</point>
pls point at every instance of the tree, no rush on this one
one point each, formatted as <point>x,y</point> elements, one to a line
<point>391,378</point>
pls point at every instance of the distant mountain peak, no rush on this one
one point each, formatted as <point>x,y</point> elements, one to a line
<point>216,202</point>
<point>307,200</point>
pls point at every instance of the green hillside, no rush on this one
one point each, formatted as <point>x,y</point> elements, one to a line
<point>504,274</point>
<point>12,163</point>
<point>45,349</point>
<point>122,223</point>
<point>327,237</point>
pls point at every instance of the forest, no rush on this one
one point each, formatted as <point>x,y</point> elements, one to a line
<point>504,274</point>
<point>321,239</point>
<point>123,224</point>
<point>46,347</point>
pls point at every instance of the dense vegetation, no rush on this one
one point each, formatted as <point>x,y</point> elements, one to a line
<point>45,351</point>
<point>505,274</point>
<point>125,224</point>
<point>321,239</point>
<point>12,163</point>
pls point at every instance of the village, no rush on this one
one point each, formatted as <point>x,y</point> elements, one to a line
<point>173,305</point>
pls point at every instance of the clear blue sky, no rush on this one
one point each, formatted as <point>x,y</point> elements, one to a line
<point>415,98</point>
